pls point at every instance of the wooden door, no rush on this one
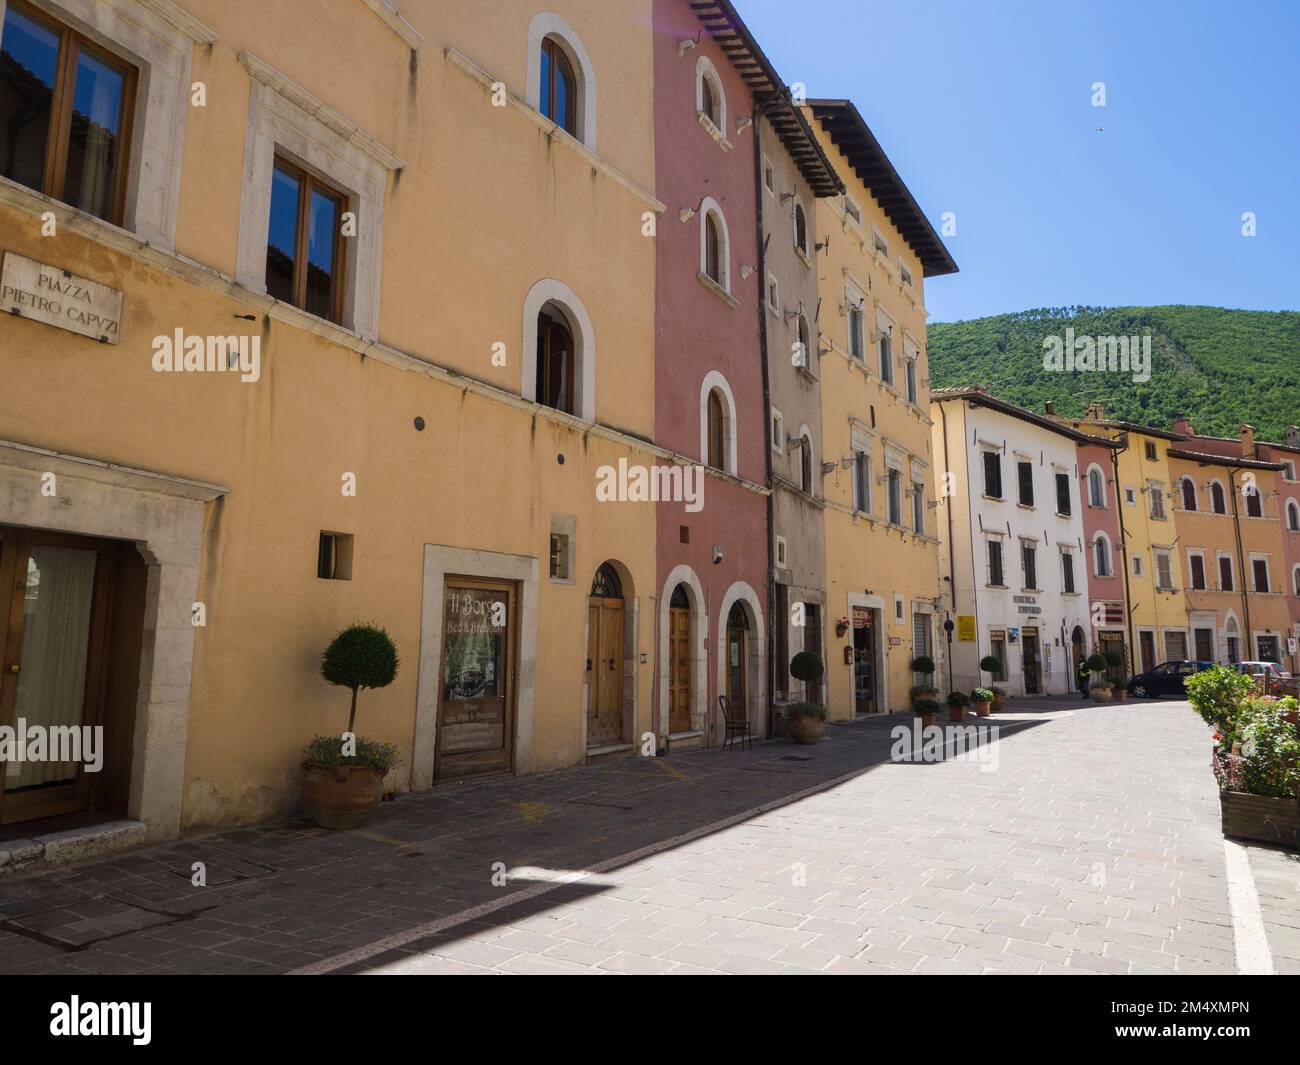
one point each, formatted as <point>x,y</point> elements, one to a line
<point>1147,642</point>
<point>604,672</point>
<point>476,691</point>
<point>1029,645</point>
<point>54,607</point>
<point>679,670</point>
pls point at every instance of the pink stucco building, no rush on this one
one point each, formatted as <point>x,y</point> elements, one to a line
<point>711,613</point>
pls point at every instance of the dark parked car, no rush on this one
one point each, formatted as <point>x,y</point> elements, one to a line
<point>1166,679</point>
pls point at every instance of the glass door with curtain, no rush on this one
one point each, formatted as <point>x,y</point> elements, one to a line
<point>53,630</point>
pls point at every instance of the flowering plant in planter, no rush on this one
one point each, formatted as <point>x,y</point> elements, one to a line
<point>1256,756</point>
<point>982,699</point>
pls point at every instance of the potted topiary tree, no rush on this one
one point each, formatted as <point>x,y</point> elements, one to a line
<point>1115,661</point>
<point>991,664</point>
<point>957,703</point>
<point>344,775</point>
<point>807,667</point>
<point>1100,688</point>
<point>924,665</point>
<point>926,709</point>
<point>806,722</point>
<point>982,700</point>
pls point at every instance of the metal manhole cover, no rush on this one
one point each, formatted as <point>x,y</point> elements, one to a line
<point>79,926</point>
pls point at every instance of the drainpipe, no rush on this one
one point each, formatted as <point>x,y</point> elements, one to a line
<point>952,565</point>
<point>772,619</point>
<point>1131,650</point>
<point>1241,566</point>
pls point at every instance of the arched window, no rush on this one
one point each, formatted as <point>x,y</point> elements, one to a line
<point>1101,555</point>
<point>1096,487</point>
<point>606,584</point>
<point>709,99</point>
<point>717,423</point>
<point>737,616</point>
<point>713,249</point>
<point>559,89</point>
<point>1217,502</point>
<point>555,361</point>
<point>800,228</point>
<point>1295,580</point>
<point>1254,502</point>
<point>681,599</point>
<point>558,368</point>
<point>1189,494</point>
<point>803,353</point>
<point>715,245</point>
<point>560,81</point>
<point>805,464</point>
<point>717,431</point>
<point>1293,515</point>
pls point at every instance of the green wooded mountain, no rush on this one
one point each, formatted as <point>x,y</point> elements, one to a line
<point>1218,367</point>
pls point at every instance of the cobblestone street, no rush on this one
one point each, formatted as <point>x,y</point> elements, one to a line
<point>1083,839</point>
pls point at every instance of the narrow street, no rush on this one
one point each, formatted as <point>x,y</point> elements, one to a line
<point>1084,838</point>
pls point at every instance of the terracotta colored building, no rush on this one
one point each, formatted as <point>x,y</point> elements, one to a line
<point>1103,544</point>
<point>711,612</point>
<point>1238,522</point>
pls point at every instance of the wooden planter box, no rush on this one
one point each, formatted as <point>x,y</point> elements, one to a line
<point>1261,818</point>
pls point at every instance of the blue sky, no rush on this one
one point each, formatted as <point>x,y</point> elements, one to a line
<point>985,109</point>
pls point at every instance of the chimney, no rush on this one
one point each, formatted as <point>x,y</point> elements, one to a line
<point>1182,426</point>
<point>1292,438</point>
<point>1050,408</point>
<point>1095,413</point>
<point>1247,433</point>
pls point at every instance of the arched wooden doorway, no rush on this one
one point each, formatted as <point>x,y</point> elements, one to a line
<point>605,628</point>
<point>737,653</point>
<point>679,661</point>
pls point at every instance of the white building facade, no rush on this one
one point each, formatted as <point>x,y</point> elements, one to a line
<point>1013,557</point>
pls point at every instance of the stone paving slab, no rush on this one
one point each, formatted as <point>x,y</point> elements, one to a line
<point>1090,845</point>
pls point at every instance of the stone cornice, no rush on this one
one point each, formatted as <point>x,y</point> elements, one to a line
<point>391,18</point>
<point>181,20</point>
<point>262,71</point>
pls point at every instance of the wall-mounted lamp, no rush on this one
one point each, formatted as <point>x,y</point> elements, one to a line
<point>685,46</point>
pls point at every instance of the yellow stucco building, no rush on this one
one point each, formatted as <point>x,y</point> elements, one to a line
<point>882,574</point>
<point>435,371</point>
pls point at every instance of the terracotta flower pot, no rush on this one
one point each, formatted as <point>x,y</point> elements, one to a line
<point>983,709</point>
<point>956,713</point>
<point>341,796</point>
<point>926,720</point>
<point>806,728</point>
<point>1121,695</point>
<point>999,701</point>
<point>1101,695</point>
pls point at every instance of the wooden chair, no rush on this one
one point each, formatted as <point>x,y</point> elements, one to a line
<point>737,725</point>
